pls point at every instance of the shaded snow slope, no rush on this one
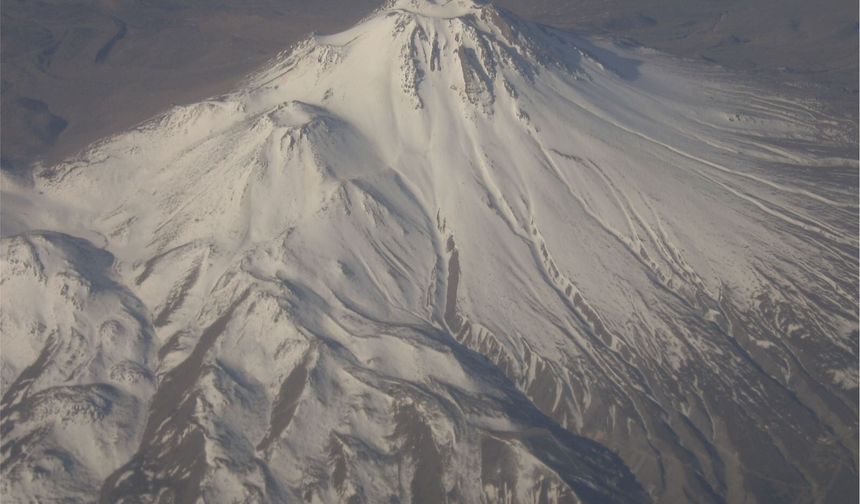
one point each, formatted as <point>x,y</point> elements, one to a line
<point>446,255</point>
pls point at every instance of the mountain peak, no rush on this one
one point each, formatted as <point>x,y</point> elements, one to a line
<point>459,54</point>
<point>444,255</point>
<point>438,8</point>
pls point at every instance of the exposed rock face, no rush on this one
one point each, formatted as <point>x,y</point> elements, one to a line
<point>443,256</point>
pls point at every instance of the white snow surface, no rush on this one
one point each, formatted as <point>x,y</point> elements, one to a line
<point>440,240</point>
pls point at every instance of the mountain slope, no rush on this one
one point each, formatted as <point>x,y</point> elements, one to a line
<point>449,255</point>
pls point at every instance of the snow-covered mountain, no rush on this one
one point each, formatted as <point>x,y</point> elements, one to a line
<point>444,256</point>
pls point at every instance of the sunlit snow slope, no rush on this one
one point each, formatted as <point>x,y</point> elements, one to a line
<point>444,256</point>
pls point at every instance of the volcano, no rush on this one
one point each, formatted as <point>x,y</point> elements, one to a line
<point>444,256</point>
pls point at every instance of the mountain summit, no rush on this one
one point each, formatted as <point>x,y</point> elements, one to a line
<point>444,256</point>
<point>437,8</point>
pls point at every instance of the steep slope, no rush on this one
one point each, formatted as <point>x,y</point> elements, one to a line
<point>443,255</point>
<point>76,368</point>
